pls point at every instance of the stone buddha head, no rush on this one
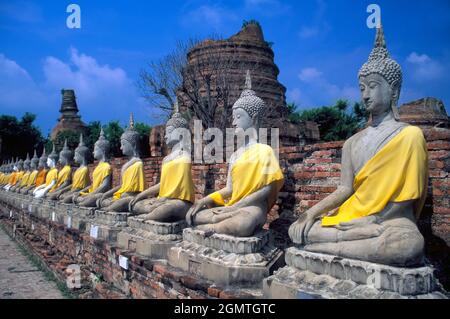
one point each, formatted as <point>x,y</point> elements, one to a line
<point>27,163</point>
<point>20,165</point>
<point>43,160</point>
<point>129,141</point>
<point>65,156</point>
<point>101,147</point>
<point>52,158</point>
<point>81,152</point>
<point>380,79</point>
<point>34,161</point>
<point>249,108</point>
<point>173,135</point>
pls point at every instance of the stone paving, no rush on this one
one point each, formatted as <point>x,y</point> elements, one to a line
<point>19,278</point>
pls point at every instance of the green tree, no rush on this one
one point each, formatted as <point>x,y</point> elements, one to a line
<point>113,131</point>
<point>335,122</point>
<point>19,137</point>
<point>144,132</point>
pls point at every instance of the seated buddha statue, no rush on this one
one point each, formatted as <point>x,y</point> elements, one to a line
<point>34,162</point>
<point>4,176</point>
<point>253,182</point>
<point>383,181</point>
<point>81,176</point>
<point>23,181</point>
<point>16,176</point>
<point>131,176</point>
<point>171,198</point>
<point>64,174</point>
<point>101,177</point>
<point>51,176</point>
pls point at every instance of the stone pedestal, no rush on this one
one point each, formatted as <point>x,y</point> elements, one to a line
<point>106,225</point>
<point>81,216</point>
<point>311,275</point>
<point>47,209</point>
<point>226,260</point>
<point>149,238</point>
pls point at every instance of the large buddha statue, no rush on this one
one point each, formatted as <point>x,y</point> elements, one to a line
<point>132,175</point>
<point>101,177</point>
<point>26,173</point>
<point>383,181</point>
<point>171,198</point>
<point>81,176</point>
<point>254,178</point>
<point>34,162</point>
<point>51,175</point>
<point>64,174</point>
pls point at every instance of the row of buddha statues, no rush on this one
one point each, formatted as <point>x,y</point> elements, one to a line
<point>371,216</point>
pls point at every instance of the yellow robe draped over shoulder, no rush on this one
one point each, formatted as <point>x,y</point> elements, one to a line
<point>255,168</point>
<point>18,177</point>
<point>41,177</point>
<point>396,173</point>
<point>102,171</point>
<point>24,180</point>
<point>80,178</point>
<point>176,180</point>
<point>63,176</point>
<point>132,180</point>
<point>32,178</point>
<point>51,175</point>
<point>12,178</point>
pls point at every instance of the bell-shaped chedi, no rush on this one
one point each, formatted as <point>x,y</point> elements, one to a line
<point>214,72</point>
<point>69,120</point>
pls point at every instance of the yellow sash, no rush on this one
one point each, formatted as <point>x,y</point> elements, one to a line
<point>63,176</point>
<point>32,178</point>
<point>24,180</point>
<point>255,168</point>
<point>51,175</point>
<point>40,178</point>
<point>80,178</point>
<point>18,177</point>
<point>102,171</point>
<point>132,180</point>
<point>397,173</point>
<point>176,180</point>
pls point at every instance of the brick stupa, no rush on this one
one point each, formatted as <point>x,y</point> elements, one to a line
<point>69,120</point>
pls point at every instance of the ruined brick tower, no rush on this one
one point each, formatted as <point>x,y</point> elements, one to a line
<point>249,51</point>
<point>69,120</point>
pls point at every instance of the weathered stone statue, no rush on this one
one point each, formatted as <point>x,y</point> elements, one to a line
<point>23,181</point>
<point>161,209</point>
<point>101,177</point>
<point>51,176</point>
<point>254,179</point>
<point>17,174</point>
<point>33,175</point>
<point>132,175</point>
<point>227,243</point>
<point>383,183</point>
<point>171,198</point>
<point>81,176</point>
<point>64,175</point>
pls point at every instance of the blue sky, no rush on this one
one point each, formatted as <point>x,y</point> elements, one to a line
<point>319,47</point>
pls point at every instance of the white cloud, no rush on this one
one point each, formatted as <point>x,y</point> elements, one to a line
<point>18,91</point>
<point>213,16</point>
<point>424,68</point>
<point>103,92</point>
<point>310,75</point>
<point>319,91</point>
<point>308,32</point>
